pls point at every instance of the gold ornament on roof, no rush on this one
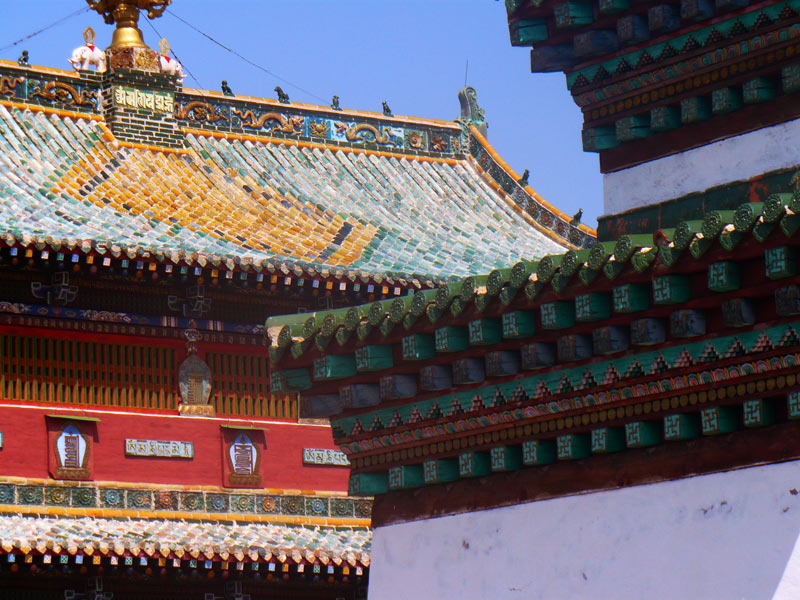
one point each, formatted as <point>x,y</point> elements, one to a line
<point>89,36</point>
<point>125,13</point>
<point>163,47</point>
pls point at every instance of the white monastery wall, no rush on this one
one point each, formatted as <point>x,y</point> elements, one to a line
<point>733,535</point>
<point>731,159</point>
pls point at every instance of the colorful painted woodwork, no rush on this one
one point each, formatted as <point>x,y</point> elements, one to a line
<point>639,74</point>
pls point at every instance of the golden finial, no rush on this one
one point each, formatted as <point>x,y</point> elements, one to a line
<point>88,36</point>
<point>163,47</point>
<point>125,13</point>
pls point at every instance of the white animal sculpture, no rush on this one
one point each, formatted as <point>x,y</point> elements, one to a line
<point>88,54</point>
<point>170,66</point>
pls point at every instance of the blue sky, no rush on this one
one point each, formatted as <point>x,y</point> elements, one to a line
<point>411,53</point>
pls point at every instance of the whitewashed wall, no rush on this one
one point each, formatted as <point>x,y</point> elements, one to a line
<point>728,536</point>
<point>732,159</point>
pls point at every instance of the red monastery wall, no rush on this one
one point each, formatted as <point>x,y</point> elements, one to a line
<point>25,448</point>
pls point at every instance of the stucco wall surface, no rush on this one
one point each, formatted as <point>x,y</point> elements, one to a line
<point>730,535</point>
<point>732,159</point>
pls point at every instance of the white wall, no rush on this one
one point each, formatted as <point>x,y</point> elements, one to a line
<point>732,159</point>
<point>728,536</point>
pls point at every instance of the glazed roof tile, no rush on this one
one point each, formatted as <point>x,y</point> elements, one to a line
<point>581,270</point>
<point>64,180</point>
<point>169,538</point>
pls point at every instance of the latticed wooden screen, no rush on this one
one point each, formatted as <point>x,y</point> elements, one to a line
<point>42,369</point>
<point>45,369</point>
<point>240,386</point>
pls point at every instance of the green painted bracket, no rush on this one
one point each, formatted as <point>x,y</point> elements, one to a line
<point>557,315</point>
<point>759,413</point>
<point>440,470</point>
<point>405,477</point>
<point>793,405</point>
<point>723,276</point>
<point>592,307</point>
<point>608,439</point>
<point>290,380</point>
<point>719,419</point>
<point>368,484</point>
<point>451,338</point>
<point>506,458</point>
<point>631,298</point>
<point>419,346</point>
<point>681,427</point>
<point>573,446</point>
<point>670,289</point>
<point>334,366</point>
<point>642,433</point>
<point>780,262</point>
<point>374,358</point>
<point>474,464</point>
<point>519,324</point>
<point>484,332</point>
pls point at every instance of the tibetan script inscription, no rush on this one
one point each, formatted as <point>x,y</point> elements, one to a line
<point>169,449</point>
<point>133,98</point>
<point>315,456</point>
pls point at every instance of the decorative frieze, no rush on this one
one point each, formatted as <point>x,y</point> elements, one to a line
<point>440,470</point>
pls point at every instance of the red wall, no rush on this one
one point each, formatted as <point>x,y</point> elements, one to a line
<point>25,449</point>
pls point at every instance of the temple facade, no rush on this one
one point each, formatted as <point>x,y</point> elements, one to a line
<point>152,442</point>
<point>618,421</point>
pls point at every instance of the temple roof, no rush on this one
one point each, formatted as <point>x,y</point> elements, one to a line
<point>163,538</point>
<point>407,202</point>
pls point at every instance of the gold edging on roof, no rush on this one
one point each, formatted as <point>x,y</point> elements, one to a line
<point>302,144</point>
<point>498,159</point>
<point>115,513</point>
<point>49,110</point>
<point>41,69</point>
